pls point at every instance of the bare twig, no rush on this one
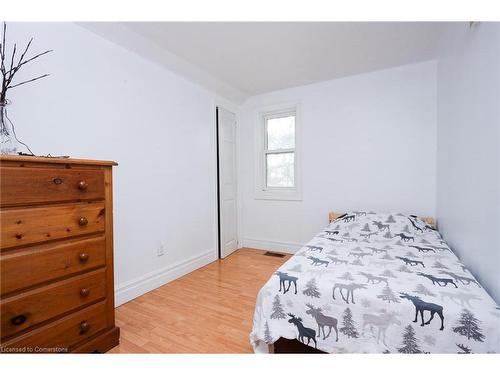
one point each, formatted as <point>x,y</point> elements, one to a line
<point>16,68</point>
<point>13,57</point>
<point>34,57</point>
<point>29,80</point>
<point>1,58</point>
<point>25,51</point>
<point>3,45</point>
<point>30,59</point>
<point>2,65</point>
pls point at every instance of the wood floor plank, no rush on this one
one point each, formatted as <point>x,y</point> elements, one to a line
<point>209,310</point>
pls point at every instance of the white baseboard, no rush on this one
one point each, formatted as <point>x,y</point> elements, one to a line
<point>284,247</point>
<point>136,287</point>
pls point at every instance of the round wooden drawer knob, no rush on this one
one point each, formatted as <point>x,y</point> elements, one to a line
<point>83,221</point>
<point>84,292</point>
<point>18,320</point>
<point>83,257</point>
<point>82,185</point>
<point>84,327</point>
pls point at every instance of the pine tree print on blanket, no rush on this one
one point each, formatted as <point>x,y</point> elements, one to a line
<point>410,342</point>
<point>348,325</point>
<point>311,289</point>
<point>278,312</point>
<point>468,326</point>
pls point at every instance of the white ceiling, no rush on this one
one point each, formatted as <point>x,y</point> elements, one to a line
<point>238,60</point>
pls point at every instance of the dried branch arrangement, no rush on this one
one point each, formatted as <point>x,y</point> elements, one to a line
<point>9,67</point>
<point>9,70</point>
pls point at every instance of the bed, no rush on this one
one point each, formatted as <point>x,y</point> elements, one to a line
<point>375,283</point>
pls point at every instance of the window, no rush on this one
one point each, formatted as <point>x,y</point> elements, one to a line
<point>277,170</point>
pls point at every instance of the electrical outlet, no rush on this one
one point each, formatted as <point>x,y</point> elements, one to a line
<point>161,250</point>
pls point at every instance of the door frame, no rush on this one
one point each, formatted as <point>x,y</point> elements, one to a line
<point>231,108</point>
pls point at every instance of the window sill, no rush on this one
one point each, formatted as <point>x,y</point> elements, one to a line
<point>278,195</point>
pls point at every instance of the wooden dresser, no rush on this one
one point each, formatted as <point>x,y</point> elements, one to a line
<point>56,255</point>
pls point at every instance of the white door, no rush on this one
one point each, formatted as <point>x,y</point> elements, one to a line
<point>227,182</point>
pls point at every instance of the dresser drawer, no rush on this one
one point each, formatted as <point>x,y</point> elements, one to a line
<point>35,306</point>
<point>25,226</point>
<point>61,335</point>
<point>21,186</point>
<point>34,265</point>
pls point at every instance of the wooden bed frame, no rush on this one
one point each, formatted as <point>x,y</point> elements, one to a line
<point>427,219</point>
<point>286,346</point>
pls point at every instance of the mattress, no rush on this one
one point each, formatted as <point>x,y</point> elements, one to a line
<point>377,283</point>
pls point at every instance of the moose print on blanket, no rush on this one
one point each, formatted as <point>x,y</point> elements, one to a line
<point>323,321</point>
<point>349,288</point>
<point>377,283</point>
<point>318,262</point>
<point>304,332</point>
<point>438,280</point>
<point>411,262</point>
<point>421,306</point>
<point>404,237</point>
<point>284,277</point>
<point>381,322</point>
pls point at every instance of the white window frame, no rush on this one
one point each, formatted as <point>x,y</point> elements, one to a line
<point>262,191</point>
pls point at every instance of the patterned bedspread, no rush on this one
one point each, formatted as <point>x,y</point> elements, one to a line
<point>377,283</point>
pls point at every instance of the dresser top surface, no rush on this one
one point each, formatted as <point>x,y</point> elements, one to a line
<point>54,160</point>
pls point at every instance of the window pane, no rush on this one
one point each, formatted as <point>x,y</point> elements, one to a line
<point>281,133</point>
<point>280,170</point>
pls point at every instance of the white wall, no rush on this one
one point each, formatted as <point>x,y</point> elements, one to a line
<point>468,190</point>
<point>369,142</point>
<point>104,102</point>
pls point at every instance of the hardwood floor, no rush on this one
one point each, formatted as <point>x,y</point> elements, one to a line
<point>209,310</point>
